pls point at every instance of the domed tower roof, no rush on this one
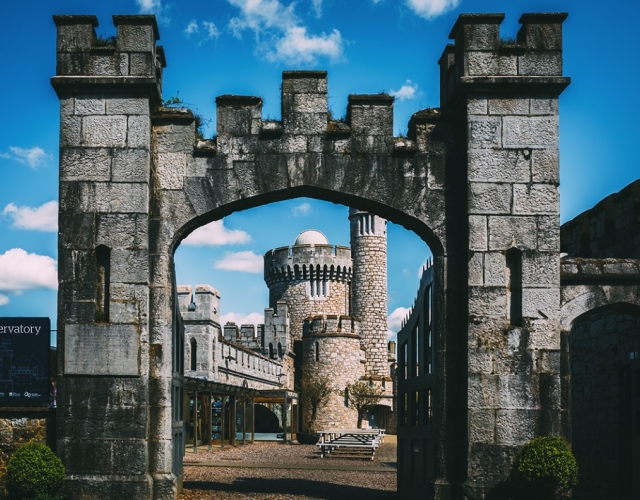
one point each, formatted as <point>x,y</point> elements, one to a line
<point>311,237</point>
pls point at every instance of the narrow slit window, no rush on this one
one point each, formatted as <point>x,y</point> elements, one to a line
<point>416,350</point>
<point>270,350</point>
<point>317,351</point>
<point>194,355</point>
<point>405,361</point>
<point>103,271</point>
<point>428,334</point>
<point>514,286</point>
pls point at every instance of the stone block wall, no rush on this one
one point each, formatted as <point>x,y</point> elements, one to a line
<point>236,364</point>
<point>288,272</point>
<point>610,229</point>
<point>105,329</point>
<point>17,429</point>
<point>201,316</point>
<point>331,348</point>
<point>508,93</point>
<point>603,344</point>
<point>369,287</point>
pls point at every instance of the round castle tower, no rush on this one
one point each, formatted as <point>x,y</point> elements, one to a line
<point>331,348</point>
<point>369,287</point>
<point>311,276</point>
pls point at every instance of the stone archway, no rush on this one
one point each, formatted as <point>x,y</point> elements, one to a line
<point>474,179</point>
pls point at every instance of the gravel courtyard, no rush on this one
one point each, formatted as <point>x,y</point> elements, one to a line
<point>267,475</point>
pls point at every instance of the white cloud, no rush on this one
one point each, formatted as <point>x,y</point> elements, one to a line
<point>33,157</point>
<point>395,319</point>
<point>429,9</point>
<point>212,31</point>
<point>191,28</point>
<point>253,318</point>
<point>302,209</point>
<point>280,35</point>
<point>317,7</point>
<point>246,262</point>
<point>42,218</point>
<point>214,234</point>
<point>259,15</point>
<point>21,271</point>
<point>4,300</point>
<point>153,7</point>
<point>296,47</point>
<point>408,91</point>
<point>149,6</point>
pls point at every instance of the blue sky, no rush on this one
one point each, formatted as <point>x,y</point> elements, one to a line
<point>217,47</point>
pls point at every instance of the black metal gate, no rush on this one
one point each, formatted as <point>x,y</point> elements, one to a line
<point>177,393</point>
<point>635,425</point>
<point>416,397</point>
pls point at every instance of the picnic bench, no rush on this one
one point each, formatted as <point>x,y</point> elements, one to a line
<point>367,439</point>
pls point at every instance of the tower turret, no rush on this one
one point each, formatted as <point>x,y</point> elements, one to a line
<point>311,276</point>
<point>369,286</point>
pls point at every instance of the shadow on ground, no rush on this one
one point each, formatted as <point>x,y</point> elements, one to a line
<point>288,486</point>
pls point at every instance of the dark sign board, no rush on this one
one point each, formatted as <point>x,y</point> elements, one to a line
<point>24,361</point>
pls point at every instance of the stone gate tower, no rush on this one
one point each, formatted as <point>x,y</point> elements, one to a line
<point>369,287</point>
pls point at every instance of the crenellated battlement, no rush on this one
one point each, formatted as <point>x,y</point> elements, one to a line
<point>331,326</point>
<point>305,115</point>
<point>132,54</point>
<point>298,262</point>
<point>203,305</point>
<point>480,56</point>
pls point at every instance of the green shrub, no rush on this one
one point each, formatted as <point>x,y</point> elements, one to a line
<point>545,467</point>
<point>34,471</point>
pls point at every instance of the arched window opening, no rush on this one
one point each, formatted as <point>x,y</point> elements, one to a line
<point>270,350</point>
<point>280,354</point>
<point>514,286</point>
<point>194,355</point>
<point>103,271</point>
<point>384,385</point>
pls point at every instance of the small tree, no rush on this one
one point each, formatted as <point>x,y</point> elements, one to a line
<point>314,395</point>
<point>361,395</point>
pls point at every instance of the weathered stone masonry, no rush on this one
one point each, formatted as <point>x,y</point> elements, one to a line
<point>476,179</point>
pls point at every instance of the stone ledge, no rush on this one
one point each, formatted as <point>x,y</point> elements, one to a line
<point>514,84</point>
<point>64,85</point>
<point>580,269</point>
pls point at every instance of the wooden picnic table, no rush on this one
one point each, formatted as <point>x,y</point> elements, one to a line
<point>332,439</point>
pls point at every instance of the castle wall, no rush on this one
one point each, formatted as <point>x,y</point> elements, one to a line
<point>369,287</point>
<point>292,272</point>
<point>331,348</point>
<point>610,229</point>
<point>301,306</point>
<point>603,344</point>
<point>475,181</point>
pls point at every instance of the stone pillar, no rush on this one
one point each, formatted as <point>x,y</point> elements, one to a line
<point>508,93</point>
<point>106,90</point>
<point>369,287</point>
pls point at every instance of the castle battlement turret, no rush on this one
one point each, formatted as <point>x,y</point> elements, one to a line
<point>480,52</point>
<point>302,262</point>
<point>132,53</point>
<point>311,276</point>
<point>331,326</point>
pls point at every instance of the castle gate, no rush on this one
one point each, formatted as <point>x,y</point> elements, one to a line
<point>477,179</point>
